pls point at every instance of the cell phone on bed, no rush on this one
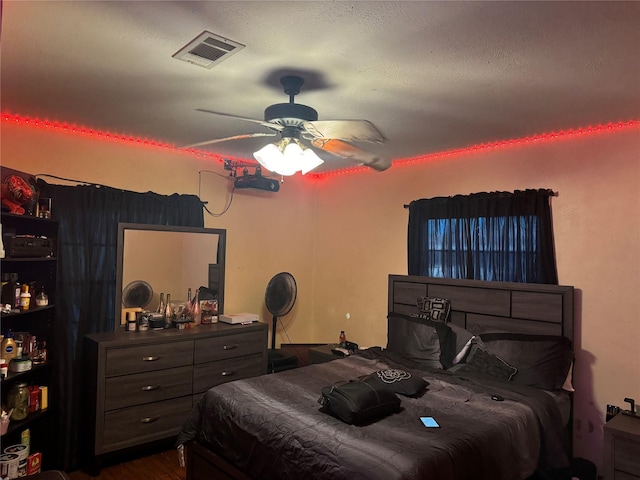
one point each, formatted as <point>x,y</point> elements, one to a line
<point>429,422</point>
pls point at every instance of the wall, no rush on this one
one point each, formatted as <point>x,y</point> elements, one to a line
<point>361,237</point>
<point>342,235</point>
<point>266,233</point>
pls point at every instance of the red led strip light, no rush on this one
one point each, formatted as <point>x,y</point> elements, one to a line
<point>545,137</point>
<point>61,127</point>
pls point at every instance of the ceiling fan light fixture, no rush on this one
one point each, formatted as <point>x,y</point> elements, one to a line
<point>310,161</point>
<point>287,157</point>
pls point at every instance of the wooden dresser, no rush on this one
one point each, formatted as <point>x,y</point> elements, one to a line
<point>142,385</point>
<point>622,448</point>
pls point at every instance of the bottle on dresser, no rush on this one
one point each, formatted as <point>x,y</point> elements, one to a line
<point>168,312</point>
<point>160,308</point>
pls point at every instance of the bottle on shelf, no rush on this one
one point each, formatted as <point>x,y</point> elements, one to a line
<point>41,356</point>
<point>343,339</point>
<point>25,297</point>
<point>42,299</point>
<point>9,347</point>
<point>9,288</point>
<point>11,291</point>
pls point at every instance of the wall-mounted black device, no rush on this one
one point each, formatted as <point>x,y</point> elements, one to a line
<point>257,181</point>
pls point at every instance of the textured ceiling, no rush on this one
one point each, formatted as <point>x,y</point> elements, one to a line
<point>431,76</point>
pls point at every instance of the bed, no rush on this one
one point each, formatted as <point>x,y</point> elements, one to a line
<point>499,385</point>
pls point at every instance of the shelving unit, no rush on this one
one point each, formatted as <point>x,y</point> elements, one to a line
<point>37,321</point>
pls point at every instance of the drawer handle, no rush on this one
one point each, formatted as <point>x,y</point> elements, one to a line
<point>230,347</point>
<point>150,359</point>
<point>149,419</point>
<point>148,388</point>
<point>228,374</point>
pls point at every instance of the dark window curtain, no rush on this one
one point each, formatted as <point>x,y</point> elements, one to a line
<point>88,217</point>
<point>498,236</point>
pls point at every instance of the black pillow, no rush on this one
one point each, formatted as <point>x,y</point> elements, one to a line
<point>543,361</point>
<point>418,340</point>
<point>480,360</point>
<point>401,381</point>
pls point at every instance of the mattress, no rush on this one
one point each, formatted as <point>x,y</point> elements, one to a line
<point>272,427</point>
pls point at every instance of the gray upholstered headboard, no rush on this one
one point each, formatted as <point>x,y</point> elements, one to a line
<point>481,306</point>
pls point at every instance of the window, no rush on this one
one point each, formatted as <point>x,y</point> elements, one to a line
<point>497,236</point>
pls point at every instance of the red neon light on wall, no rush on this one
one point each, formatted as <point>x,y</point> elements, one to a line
<point>534,139</point>
<point>545,137</point>
<point>61,127</point>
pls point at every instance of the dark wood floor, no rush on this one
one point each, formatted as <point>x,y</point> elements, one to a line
<point>157,466</point>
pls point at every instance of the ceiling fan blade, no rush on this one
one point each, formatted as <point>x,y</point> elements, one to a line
<point>349,130</point>
<point>234,137</point>
<point>274,126</point>
<point>355,154</point>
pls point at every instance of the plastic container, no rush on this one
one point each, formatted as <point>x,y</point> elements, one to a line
<point>9,465</point>
<point>20,364</point>
<point>21,450</point>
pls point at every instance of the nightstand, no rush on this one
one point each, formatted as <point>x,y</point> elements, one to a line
<point>322,354</point>
<point>622,448</point>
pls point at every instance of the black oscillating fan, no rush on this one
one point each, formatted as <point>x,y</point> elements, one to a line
<point>280,297</point>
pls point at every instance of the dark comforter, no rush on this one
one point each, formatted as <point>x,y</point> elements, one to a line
<point>272,428</point>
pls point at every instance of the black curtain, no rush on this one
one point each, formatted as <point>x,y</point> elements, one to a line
<point>499,236</point>
<point>88,216</point>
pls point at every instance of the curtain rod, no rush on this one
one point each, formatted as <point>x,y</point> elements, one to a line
<point>552,194</point>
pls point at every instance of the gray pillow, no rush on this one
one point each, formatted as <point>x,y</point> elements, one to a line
<point>417,340</point>
<point>543,361</point>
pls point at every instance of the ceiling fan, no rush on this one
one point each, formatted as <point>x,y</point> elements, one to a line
<point>298,128</point>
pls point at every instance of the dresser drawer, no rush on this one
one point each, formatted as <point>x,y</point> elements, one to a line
<point>138,388</point>
<point>144,423</point>
<point>228,346</point>
<point>146,358</point>
<point>624,476</point>
<point>627,456</point>
<point>207,375</point>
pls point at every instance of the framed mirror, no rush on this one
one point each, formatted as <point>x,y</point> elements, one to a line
<point>155,259</point>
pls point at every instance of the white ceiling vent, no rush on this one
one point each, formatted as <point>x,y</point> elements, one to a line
<point>207,50</point>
